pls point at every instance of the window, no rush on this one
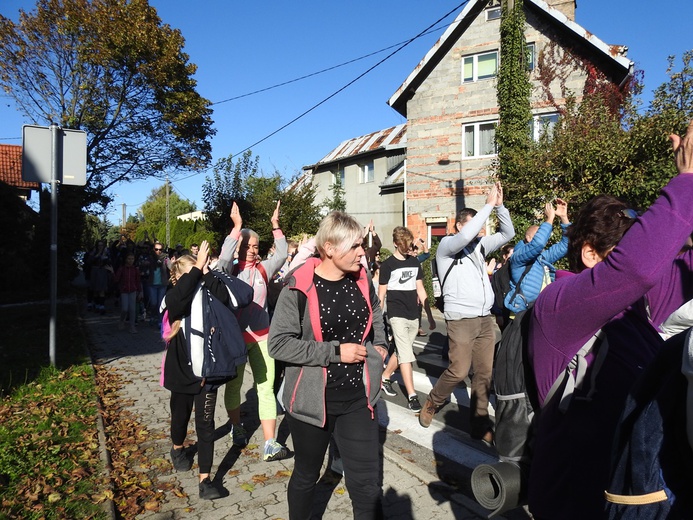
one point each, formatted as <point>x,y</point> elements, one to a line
<point>543,124</point>
<point>531,56</point>
<point>338,176</point>
<point>493,14</point>
<point>479,66</point>
<point>479,139</point>
<point>366,172</point>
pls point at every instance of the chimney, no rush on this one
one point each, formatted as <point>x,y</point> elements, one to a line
<point>567,7</point>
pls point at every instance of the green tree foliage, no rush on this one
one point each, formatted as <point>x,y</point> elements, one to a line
<point>111,68</point>
<point>336,202</point>
<point>241,181</point>
<point>153,211</point>
<point>513,88</point>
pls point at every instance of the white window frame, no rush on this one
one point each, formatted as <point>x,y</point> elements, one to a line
<point>367,172</point>
<point>532,48</point>
<point>475,66</point>
<point>538,124</point>
<point>493,13</point>
<point>476,141</point>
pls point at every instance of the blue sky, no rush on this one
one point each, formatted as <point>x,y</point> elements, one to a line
<point>240,47</point>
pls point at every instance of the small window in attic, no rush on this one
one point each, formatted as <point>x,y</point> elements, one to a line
<point>493,14</point>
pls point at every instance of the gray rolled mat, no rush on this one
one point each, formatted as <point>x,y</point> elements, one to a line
<point>497,486</point>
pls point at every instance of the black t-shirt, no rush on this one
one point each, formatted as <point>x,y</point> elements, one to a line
<point>400,276</point>
<point>343,317</point>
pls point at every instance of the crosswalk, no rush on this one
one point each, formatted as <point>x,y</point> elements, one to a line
<point>445,437</point>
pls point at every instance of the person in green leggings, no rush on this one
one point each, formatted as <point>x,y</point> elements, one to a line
<point>254,320</point>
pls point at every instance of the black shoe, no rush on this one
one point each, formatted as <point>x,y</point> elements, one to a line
<point>414,404</point>
<point>180,460</point>
<point>208,491</point>
<point>388,387</point>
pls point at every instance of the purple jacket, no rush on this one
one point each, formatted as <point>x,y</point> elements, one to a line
<point>572,451</point>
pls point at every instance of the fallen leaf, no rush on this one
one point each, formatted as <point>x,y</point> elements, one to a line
<point>54,497</point>
<point>260,479</point>
<point>248,487</point>
<point>151,506</point>
<point>396,432</point>
<point>339,491</point>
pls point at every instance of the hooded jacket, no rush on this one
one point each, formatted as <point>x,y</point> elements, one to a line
<point>296,338</point>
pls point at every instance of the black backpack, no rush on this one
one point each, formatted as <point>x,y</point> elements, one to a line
<point>503,486</point>
<point>652,465</point>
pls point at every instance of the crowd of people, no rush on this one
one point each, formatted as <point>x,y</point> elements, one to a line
<point>329,323</point>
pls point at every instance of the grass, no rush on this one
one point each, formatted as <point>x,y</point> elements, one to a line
<point>49,451</point>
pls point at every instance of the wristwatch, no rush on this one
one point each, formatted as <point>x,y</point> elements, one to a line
<point>338,350</point>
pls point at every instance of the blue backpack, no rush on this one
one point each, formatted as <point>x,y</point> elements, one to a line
<point>219,347</point>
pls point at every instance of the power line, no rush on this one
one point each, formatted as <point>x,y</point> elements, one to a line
<point>352,81</point>
<point>328,69</point>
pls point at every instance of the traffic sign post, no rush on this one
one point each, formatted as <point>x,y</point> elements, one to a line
<point>54,155</point>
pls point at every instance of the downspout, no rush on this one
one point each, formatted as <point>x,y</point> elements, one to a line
<point>406,207</point>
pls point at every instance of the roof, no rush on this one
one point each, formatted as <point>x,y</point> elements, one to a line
<point>11,167</point>
<point>613,55</point>
<point>394,137</point>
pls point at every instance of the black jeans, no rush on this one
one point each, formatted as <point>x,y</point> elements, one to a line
<point>181,407</point>
<point>356,435</point>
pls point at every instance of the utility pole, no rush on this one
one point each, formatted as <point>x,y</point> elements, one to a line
<point>168,222</point>
<point>122,229</point>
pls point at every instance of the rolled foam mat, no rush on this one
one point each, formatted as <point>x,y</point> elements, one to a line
<point>497,486</point>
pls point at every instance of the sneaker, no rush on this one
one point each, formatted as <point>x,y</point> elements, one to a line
<point>426,414</point>
<point>414,404</point>
<point>180,460</point>
<point>238,435</point>
<point>133,330</point>
<point>208,491</point>
<point>388,387</point>
<point>275,451</point>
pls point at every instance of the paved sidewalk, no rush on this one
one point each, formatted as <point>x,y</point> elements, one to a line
<point>257,489</point>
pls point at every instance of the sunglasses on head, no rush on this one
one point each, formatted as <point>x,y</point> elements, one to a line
<point>629,213</point>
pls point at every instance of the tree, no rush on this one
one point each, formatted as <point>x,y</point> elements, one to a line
<point>241,181</point>
<point>111,68</point>
<point>337,202</point>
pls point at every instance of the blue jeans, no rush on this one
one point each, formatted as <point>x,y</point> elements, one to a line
<point>156,295</point>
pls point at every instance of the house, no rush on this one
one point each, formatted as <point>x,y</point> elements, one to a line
<point>370,169</point>
<point>450,104</point>
<point>11,171</point>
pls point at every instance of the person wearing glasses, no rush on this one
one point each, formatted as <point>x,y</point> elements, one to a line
<point>158,280</point>
<point>616,258</point>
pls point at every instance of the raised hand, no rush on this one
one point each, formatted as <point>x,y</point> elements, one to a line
<point>562,210</point>
<point>683,150</point>
<point>275,216</point>
<point>492,196</point>
<point>202,256</point>
<point>550,212</point>
<point>236,216</point>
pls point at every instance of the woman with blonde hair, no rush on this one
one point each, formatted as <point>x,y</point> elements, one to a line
<point>188,274</point>
<point>328,329</point>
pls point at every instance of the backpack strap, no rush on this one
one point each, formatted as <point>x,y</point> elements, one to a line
<point>456,261</point>
<point>518,286</point>
<point>579,365</point>
<point>259,267</point>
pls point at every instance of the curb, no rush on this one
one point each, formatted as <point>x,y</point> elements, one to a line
<point>428,478</point>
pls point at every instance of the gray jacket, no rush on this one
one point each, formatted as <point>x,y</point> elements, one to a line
<point>298,343</point>
<point>467,291</point>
